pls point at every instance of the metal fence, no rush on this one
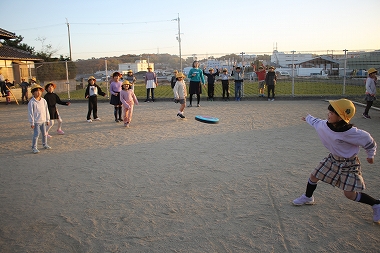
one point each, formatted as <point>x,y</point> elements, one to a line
<point>299,73</point>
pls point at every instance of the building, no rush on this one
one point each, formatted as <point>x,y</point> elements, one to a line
<point>137,66</point>
<point>15,63</point>
<point>280,59</point>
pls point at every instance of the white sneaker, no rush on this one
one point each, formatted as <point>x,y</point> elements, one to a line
<point>268,99</point>
<point>303,200</point>
<point>97,119</point>
<point>47,147</point>
<point>376,213</point>
<point>35,151</point>
<point>89,120</point>
<point>272,99</point>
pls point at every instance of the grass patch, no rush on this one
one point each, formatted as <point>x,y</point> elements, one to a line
<point>305,87</point>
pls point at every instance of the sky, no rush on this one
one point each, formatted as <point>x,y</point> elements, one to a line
<point>208,28</point>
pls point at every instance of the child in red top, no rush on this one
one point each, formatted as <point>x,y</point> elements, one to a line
<point>261,74</point>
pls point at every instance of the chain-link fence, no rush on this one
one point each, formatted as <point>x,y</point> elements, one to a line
<point>299,73</point>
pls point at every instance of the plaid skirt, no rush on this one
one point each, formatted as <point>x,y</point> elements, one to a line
<point>344,173</point>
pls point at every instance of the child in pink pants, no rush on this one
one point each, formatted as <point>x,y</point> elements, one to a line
<point>128,99</point>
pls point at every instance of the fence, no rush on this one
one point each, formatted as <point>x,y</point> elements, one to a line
<point>299,73</point>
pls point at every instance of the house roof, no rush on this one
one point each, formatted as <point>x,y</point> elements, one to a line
<point>320,59</point>
<point>11,53</point>
<point>4,34</point>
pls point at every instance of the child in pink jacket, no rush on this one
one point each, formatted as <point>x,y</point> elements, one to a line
<point>128,99</point>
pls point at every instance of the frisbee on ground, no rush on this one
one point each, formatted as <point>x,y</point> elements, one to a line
<point>207,119</point>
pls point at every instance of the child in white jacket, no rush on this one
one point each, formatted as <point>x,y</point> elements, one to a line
<point>180,94</point>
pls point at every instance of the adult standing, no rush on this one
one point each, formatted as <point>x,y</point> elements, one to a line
<point>196,80</point>
<point>370,91</point>
<point>150,83</point>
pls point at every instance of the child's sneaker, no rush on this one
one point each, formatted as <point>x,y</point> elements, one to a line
<point>60,132</point>
<point>49,136</point>
<point>366,116</point>
<point>376,213</point>
<point>47,147</point>
<point>303,200</point>
<point>126,125</point>
<point>181,115</point>
<point>89,120</point>
<point>35,151</point>
<point>97,119</point>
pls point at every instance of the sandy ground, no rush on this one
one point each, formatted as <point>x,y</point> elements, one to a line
<point>172,185</point>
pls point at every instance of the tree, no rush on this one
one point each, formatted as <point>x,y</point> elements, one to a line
<point>16,43</point>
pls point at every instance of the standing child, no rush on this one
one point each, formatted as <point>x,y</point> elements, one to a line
<point>370,91</point>
<point>211,82</point>
<point>225,84</point>
<point>131,78</point>
<point>238,75</point>
<point>92,92</point>
<point>150,83</point>
<point>270,80</point>
<point>115,89</point>
<point>173,80</point>
<point>38,115</point>
<point>52,99</point>
<point>342,166</point>
<point>180,93</point>
<point>261,74</point>
<point>24,91</point>
<point>128,99</point>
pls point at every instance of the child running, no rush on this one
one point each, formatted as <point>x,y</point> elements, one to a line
<point>342,166</point>
<point>180,94</point>
<point>38,115</point>
<point>52,99</point>
<point>128,100</point>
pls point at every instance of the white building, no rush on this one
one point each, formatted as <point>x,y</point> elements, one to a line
<point>137,66</point>
<point>286,60</point>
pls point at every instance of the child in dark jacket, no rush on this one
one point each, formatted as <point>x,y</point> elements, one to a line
<point>211,82</point>
<point>92,92</point>
<point>52,99</point>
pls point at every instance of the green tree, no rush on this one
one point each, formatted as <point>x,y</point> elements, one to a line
<point>16,43</point>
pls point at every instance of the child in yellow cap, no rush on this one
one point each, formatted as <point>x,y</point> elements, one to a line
<point>342,166</point>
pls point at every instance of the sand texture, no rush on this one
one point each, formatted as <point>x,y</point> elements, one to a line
<point>172,185</point>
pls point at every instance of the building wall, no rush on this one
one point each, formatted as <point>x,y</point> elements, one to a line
<point>137,66</point>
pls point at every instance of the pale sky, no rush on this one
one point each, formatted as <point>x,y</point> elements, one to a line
<point>112,28</point>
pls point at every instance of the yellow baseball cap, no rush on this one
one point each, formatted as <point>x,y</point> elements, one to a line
<point>344,108</point>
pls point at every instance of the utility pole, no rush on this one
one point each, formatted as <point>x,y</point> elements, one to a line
<point>345,65</point>
<point>179,41</point>
<point>293,73</point>
<point>242,66</point>
<point>68,31</point>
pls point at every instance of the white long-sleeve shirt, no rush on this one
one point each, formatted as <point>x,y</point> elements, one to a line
<point>344,144</point>
<point>370,86</point>
<point>38,111</point>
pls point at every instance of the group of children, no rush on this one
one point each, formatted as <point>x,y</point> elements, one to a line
<point>341,168</point>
